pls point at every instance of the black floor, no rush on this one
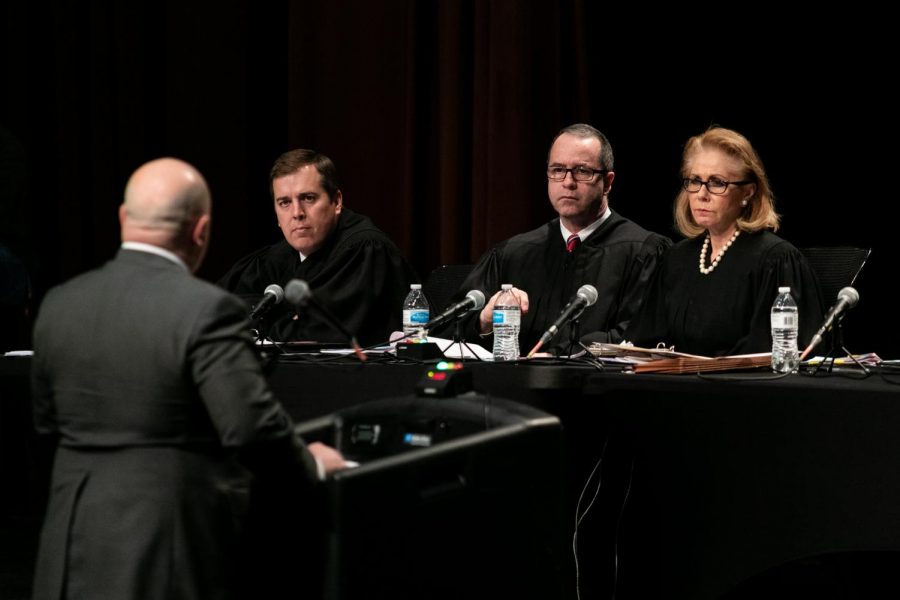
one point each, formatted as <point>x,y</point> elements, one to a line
<point>18,545</point>
<point>837,576</point>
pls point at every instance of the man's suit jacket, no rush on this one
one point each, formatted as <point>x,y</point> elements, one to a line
<point>148,377</point>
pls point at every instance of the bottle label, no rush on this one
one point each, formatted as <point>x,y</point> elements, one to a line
<point>415,316</point>
<point>783,320</point>
<point>506,317</point>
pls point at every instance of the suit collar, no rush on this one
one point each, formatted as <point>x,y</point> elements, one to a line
<point>151,249</point>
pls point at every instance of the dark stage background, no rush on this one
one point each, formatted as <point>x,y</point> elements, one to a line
<point>439,116</point>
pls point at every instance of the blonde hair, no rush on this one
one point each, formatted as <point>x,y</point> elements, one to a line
<point>760,210</point>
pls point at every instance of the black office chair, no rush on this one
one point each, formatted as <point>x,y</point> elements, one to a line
<point>15,300</point>
<point>835,267</point>
<point>442,283</point>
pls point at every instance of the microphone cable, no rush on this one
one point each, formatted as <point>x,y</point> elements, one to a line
<point>888,370</point>
<point>579,516</point>
<point>618,525</point>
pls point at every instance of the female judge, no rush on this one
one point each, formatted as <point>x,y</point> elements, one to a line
<point>714,290</point>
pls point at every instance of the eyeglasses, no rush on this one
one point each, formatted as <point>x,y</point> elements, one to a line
<point>558,173</point>
<point>714,184</point>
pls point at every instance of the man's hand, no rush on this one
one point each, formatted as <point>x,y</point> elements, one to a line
<point>329,458</point>
<point>486,318</point>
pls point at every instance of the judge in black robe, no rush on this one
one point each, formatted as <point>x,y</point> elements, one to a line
<point>721,306</point>
<point>727,311</point>
<point>587,244</point>
<point>619,259</point>
<point>359,274</point>
<point>353,269</point>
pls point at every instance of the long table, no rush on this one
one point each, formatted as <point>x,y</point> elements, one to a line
<point>734,476</point>
<point>703,482</point>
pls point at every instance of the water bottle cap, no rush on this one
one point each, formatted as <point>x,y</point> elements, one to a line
<point>506,286</point>
<point>415,286</point>
<point>785,289</point>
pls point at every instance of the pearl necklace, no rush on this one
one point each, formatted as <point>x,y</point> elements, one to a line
<point>707,270</point>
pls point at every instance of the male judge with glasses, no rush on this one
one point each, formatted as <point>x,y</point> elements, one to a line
<point>588,243</point>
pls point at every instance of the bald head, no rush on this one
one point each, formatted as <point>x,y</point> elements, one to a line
<point>164,194</point>
<point>167,204</point>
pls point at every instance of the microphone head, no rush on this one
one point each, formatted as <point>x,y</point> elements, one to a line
<point>297,292</point>
<point>589,293</point>
<point>276,291</point>
<point>477,298</point>
<point>850,296</point>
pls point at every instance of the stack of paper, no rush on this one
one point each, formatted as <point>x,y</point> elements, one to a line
<point>667,360</point>
<point>703,365</point>
<point>636,354</point>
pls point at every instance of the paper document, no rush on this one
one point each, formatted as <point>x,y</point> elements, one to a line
<point>667,360</point>
<point>453,349</point>
<point>870,359</point>
<point>636,354</point>
<point>705,364</point>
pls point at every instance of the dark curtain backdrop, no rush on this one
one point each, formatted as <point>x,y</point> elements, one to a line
<point>439,116</point>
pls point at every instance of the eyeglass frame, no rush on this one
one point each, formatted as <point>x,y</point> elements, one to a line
<point>686,180</point>
<point>566,172</point>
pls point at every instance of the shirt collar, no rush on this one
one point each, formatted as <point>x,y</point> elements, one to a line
<point>151,249</point>
<point>584,233</point>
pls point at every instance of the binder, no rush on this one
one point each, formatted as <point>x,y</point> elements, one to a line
<point>667,360</point>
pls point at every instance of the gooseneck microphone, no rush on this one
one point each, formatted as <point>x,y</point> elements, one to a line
<point>474,300</point>
<point>846,299</point>
<point>298,293</point>
<point>272,296</point>
<point>584,297</point>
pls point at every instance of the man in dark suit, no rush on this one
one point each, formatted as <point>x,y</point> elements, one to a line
<point>149,380</point>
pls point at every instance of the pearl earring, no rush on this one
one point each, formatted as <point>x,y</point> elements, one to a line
<point>743,203</point>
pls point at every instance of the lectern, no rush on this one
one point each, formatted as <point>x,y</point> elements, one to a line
<point>455,497</point>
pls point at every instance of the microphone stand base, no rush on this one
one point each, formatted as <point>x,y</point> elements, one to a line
<point>837,343</point>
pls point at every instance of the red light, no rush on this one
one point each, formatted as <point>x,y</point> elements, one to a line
<point>449,366</point>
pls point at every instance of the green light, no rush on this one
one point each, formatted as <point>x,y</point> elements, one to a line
<point>448,366</point>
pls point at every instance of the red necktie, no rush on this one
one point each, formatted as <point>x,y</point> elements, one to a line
<point>572,242</point>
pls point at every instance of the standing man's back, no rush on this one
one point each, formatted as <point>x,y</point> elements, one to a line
<point>148,379</point>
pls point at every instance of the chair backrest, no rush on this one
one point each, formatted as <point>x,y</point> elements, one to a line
<point>835,267</point>
<point>442,283</point>
<point>15,302</point>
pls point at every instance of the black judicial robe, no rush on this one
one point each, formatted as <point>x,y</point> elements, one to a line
<point>619,259</point>
<point>727,311</point>
<point>359,274</point>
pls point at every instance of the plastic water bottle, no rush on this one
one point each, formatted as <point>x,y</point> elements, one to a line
<point>416,311</point>
<point>507,317</point>
<point>785,324</point>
